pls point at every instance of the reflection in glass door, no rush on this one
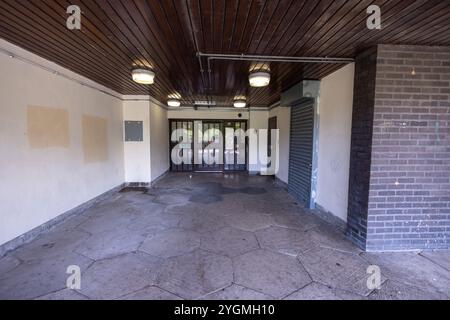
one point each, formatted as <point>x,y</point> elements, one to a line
<point>212,156</point>
<point>235,146</point>
<point>181,145</point>
<point>203,150</point>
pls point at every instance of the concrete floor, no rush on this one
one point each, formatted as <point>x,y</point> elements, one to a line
<point>211,236</point>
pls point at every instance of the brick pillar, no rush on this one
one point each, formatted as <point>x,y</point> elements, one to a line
<point>360,153</point>
<point>399,197</point>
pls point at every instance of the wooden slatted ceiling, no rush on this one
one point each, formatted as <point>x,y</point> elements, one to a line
<point>118,35</point>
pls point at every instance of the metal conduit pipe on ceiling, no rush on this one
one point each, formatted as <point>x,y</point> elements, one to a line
<point>262,58</point>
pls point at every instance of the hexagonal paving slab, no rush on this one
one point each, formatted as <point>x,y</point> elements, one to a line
<point>149,221</point>
<point>412,269</point>
<point>52,244</point>
<point>151,293</point>
<point>39,277</point>
<point>108,221</point>
<point>229,242</point>
<point>337,269</point>
<point>74,221</point>
<point>295,220</point>
<point>196,274</point>
<point>393,290</point>
<point>230,204</point>
<point>236,292</point>
<point>110,243</point>
<point>7,263</point>
<point>261,207</point>
<point>318,291</point>
<point>119,276</point>
<point>139,198</point>
<point>249,221</point>
<point>269,272</point>
<point>441,258</point>
<point>214,188</point>
<point>171,242</point>
<point>329,236</point>
<point>202,222</point>
<point>200,198</point>
<point>66,294</point>
<point>171,198</point>
<point>182,209</point>
<point>281,195</point>
<point>148,208</point>
<point>115,203</point>
<point>286,241</point>
<point>287,220</point>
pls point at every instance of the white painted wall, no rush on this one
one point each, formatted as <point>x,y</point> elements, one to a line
<point>137,153</point>
<point>258,120</point>
<point>335,108</point>
<point>283,115</point>
<point>40,184</point>
<point>159,140</point>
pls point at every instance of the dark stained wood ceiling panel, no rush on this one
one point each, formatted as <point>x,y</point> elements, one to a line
<point>165,35</point>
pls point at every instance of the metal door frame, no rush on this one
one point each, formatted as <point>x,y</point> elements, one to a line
<point>200,168</point>
<point>223,122</point>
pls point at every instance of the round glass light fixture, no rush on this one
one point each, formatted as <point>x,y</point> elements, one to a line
<point>173,103</point>
<point>240,103</point>
<point>143,76</point>
<point>259,79</point>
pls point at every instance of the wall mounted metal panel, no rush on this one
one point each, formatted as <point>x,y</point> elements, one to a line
<point>134,131</point>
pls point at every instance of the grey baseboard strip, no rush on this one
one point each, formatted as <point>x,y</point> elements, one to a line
<point>34,233</point>
<point>137,184</point>
<point>159,178</point>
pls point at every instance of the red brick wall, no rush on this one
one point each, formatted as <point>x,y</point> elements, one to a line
<point>409,193</point>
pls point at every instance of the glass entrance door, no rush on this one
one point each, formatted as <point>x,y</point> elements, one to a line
<point>212,146</point>
<point>235,152</point>
<point>181,145</point>
<point>208,145</point>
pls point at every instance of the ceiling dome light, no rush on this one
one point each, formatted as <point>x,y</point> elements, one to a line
<point>173,103</point>
<point>240,103</point>
<point>143,76</point>
<point>259,79</point>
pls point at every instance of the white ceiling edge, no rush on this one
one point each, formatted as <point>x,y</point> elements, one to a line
<point>144,98</point>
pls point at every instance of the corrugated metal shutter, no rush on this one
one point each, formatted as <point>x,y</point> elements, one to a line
<point>301,150</point>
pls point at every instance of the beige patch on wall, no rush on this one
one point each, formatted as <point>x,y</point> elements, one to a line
<point>48,127</point>
<point>95,139</point>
